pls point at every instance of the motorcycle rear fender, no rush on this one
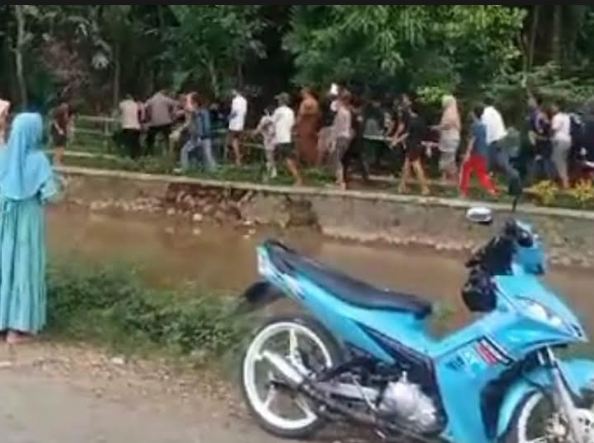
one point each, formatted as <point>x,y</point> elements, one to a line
<point>579,375</point>
<point>258,296</point>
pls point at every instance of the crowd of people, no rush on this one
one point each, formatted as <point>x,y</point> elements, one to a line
<point>334,131</point>
<point>331,131</point>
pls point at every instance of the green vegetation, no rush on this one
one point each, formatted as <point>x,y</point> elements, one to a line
<point>111,307</point>
<point>96,53</point>
<point>544,194</point>
<point>154,165</point>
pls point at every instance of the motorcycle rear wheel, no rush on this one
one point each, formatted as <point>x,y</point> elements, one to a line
<point>302,422</point>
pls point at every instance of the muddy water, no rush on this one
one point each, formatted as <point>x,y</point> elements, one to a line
<point>169,252</point>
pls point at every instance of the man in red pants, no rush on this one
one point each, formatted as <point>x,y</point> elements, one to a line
<point>476,157</point>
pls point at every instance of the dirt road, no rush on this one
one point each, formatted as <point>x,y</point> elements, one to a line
<point>54,394</point>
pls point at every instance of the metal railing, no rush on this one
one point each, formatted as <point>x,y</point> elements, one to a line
<point>92,132</point>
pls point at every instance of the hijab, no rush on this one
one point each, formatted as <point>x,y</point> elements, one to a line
<point>451,117</point>
<point>24,168</point>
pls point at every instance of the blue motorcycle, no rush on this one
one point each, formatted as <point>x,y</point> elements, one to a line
<point>365,355</point>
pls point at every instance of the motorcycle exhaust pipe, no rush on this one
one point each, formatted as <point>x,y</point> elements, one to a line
<point>299,383</point>
<point>290,374</point>
<point>310,389</point>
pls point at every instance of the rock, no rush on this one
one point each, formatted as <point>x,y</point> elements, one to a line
<point>6,365</point>
<point>199,355</point>
<point>197,218</point>
<point>196,232</point>
<point>171,212</point>
<point>118,361</point>
<point>219,215</point>
<point>170,230</point>
<point>564,261</point>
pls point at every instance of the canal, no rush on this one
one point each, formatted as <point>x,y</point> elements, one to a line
<point>171,252</point>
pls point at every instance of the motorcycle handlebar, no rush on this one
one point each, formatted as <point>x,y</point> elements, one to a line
<point>500,249</point>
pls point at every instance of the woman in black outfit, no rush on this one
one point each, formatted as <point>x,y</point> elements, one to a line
<point>413,131</point>
<point>355,151</point>
<point>542,167</point>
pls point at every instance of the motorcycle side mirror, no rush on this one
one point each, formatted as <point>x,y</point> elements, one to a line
<point>480,216</point>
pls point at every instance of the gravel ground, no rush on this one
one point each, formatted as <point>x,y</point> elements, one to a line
<point>61,394</point>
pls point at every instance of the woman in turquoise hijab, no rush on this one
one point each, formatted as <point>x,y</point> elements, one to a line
<point>26,184</point>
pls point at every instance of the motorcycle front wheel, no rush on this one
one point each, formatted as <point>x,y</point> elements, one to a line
<point>537,421</point>
<point>307,346</point>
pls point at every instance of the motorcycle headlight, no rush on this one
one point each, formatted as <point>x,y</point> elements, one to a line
<point>541,313</point>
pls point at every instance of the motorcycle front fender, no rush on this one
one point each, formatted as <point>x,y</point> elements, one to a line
<point>579,375</point>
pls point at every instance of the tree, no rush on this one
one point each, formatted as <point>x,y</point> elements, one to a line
<point>554,33</point>
<point>412,46</point>
<point>19,49</point>
<point>117,26</point>
<point>214,42</point>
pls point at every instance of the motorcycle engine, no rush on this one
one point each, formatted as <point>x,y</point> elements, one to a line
<point>406,402</point>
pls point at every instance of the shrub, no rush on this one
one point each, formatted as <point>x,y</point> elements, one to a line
<point>110,306</point>
<point>583,194</point>
<point>545,192</point>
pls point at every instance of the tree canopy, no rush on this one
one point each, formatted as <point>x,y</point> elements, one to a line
<point>96,53</point>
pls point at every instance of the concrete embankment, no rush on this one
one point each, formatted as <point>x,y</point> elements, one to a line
<point>350,215</point>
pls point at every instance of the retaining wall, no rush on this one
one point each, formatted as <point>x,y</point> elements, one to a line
<point>358,216</point>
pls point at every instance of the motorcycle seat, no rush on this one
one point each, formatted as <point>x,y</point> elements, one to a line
<point>347,289</point>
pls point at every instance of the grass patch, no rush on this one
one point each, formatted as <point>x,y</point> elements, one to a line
<point>544,194</point>
<point>252,173</point>
<point>111,307</point>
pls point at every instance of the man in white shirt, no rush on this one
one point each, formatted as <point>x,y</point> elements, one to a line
<point>131,113</point>
<point>494,124</point>
<point>496,138</point>
<point>239,109</point>
<point>284,123</point>
<point>562,141</point>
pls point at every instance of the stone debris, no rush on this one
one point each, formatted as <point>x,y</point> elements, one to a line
<point>118,361</point>
<point>441,228</point>
<point>197,218</point>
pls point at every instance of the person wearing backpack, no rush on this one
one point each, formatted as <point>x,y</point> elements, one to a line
<point>200,135</point>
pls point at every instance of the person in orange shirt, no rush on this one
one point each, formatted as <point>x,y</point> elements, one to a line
<point>308,123</point>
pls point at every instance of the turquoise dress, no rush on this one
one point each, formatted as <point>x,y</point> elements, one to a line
<point>27,183</point>
<point>23,302</point>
